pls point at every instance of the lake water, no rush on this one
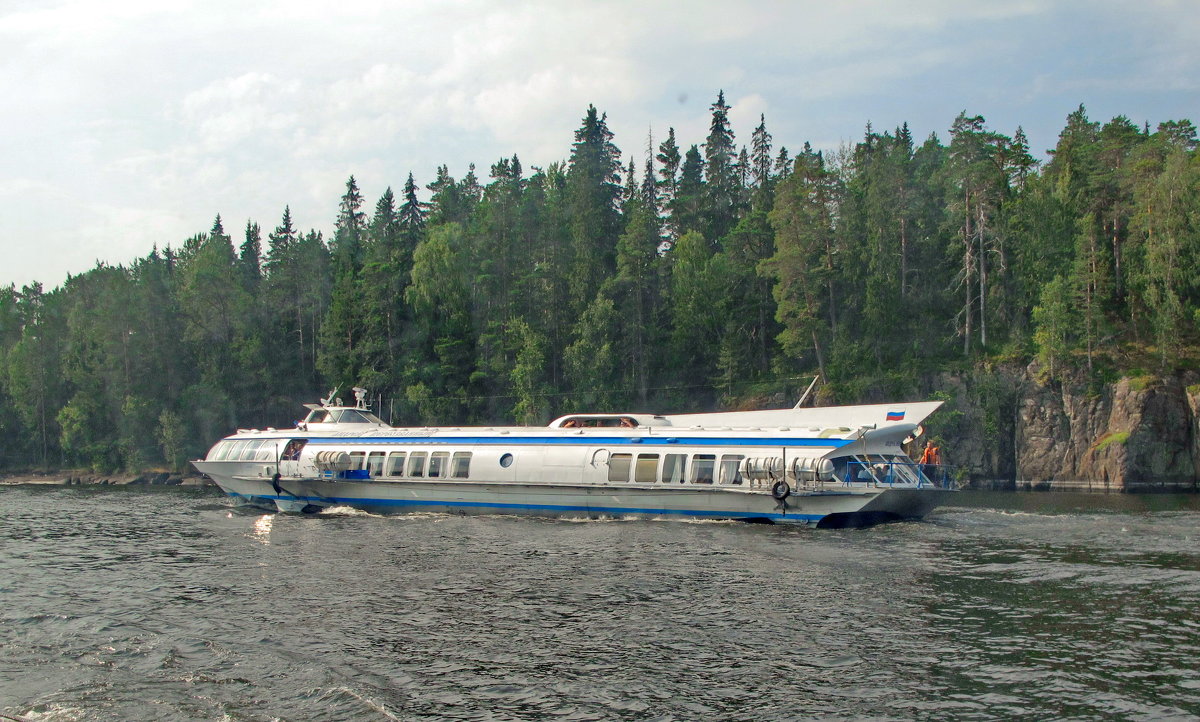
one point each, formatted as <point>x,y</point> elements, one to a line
<point>144,603</point>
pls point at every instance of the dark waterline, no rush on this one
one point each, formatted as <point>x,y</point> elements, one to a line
<point>167,604</point>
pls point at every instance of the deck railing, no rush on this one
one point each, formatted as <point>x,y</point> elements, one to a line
<point>891,473</point>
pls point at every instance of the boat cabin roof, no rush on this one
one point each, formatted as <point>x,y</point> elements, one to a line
<point>608,421</point>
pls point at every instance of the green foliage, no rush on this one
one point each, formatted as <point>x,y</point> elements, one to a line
<point>948,418</point>
<point>591,362</point>
<point>723,186</point>
<point>528,375</point>
<point>85,433</point>
<point>718,276</point>
<point>1141,382</point>
<point>439,371</point>
<point>1117,437</point>
<point>996,398</point>
<point>171,437</point>
<point>802,267</point>
<point>1054,319</point>
<point>695,295</point>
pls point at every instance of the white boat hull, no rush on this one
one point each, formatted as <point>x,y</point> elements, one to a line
<point>846,506</point>
<point>838,466</point>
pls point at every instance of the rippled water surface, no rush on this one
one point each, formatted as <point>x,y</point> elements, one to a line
<point>167,604</point>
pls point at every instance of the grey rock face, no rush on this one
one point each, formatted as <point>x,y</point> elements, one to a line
<point>1137,434</point>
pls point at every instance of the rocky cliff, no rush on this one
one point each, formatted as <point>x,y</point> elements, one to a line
<point>1011,430</point>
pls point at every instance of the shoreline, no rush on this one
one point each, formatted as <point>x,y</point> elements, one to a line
<point>77,477</point>
<point>1084,486</point>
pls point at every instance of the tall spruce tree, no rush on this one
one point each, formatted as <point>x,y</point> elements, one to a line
<point>250,258</point>
<point>384,277</point>
<point>687,207</point>
<point>720,169</point>
<point>593,182</point>
<point>340,357</point>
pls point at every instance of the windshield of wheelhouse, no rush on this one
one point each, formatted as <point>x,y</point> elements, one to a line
<point>353,416</point>
<point>889,467</point>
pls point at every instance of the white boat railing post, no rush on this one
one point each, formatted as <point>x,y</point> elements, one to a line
<point>784,450</point>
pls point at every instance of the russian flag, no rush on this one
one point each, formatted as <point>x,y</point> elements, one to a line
<point>895,416</point>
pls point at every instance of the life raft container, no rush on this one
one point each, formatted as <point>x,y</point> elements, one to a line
<point>332,460</point>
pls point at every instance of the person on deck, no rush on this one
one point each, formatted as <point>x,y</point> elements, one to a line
<point>931,459</point>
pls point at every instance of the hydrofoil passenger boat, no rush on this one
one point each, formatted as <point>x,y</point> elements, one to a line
<point>831,466</point>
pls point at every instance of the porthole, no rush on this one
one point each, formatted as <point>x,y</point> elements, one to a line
<point>506,460</point>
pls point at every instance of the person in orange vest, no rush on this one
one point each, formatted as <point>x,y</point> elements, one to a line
<point>931,459</point>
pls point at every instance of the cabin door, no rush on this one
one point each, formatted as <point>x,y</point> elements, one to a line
<point>289,458</point>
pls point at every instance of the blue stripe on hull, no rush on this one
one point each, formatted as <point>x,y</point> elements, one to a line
<point>577,441</point>
<point>560,509</point>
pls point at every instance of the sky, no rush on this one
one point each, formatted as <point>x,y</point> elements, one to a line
<point>130,124</point>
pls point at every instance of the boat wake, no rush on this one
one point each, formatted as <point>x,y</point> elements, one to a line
<point>345,510</point>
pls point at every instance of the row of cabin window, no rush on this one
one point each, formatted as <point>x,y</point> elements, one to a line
<point>244,450</point>
<point>704,468</point>
<point>414,465</point>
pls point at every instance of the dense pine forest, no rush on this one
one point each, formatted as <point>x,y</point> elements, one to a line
<point>683,275</point>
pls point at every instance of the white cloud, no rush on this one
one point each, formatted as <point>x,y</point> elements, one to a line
<point>133,123</point>
<point>231,110</point>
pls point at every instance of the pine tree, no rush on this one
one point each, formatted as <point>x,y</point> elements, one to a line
<point>528,374</point>
<point>1090,281</point>
<point>440,363</point>
<point>34,372</point>
<point>469,191</point>
<point>250,257</point>
<point>283,295</point>
<point>1073,160</point>
<point>698,302</point>
<point>760,165</point>
<point>669,159</point>
<point>650,183</point>
<point>1179,133</point>
<point>593,180</point>
<point>1168,227</point>
<point>1017,160</point>
<point>687,207</point>
<point>720,170</point>
<point>340,356</point>
<point>976,185</point>
<point>412,214</point>
<point>500,260</point>
<point>446,204</point>
<point>281,242</point>
<point>1053,320</point>
<point>637,249</point>
<point>215,329</point>
<point>348,238</point>
<point>385,275</point>
<point>783,164</point>
<point>591,363</point>
<point>802,264</point>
